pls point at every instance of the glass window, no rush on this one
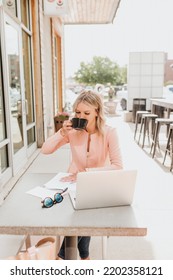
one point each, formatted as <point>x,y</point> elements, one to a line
<point>24,4</point>
<point>12,50</point>
<point>31,136</point>
<point>56,77</point>
<point>11,5</point>
<point>2,113</point>
<point>3,150</point>
<point>3,159</point>
<point>28,77</point>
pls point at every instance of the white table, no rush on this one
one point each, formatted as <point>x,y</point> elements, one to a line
<point>22,214</point>
<point>161,102</point>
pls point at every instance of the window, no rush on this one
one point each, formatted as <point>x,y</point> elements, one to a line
<point>11,35</point>
<point>28,76</point>
<point>25,18</point>
<point>28,85</point>
<point>3,142</point>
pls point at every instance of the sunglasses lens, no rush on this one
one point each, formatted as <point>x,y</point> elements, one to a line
<point>48,202</point>
<point>58,197</point>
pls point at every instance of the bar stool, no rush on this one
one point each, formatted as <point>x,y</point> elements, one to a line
<point>158,123</point>
<point>138,120</point>
<point>169,146</point>
<point>138,104</point>
<point>145,122</point>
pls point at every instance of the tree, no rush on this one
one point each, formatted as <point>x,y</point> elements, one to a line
<point>124,75</point>
<point>101,70</point>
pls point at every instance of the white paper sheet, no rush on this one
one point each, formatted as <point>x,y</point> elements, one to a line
<point>52,187</point>
<point>55,182</point>
<point>41,192</point>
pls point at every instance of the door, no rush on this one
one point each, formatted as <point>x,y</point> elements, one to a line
<point>20,93</point>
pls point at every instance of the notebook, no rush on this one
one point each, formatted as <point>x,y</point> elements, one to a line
<point>97,189</point>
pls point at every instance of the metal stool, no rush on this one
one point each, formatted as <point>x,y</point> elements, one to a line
<point>146,119</point>
<point>138,120</point>
<point>169,146</point>
<point>138,104</point>
<point>158,123</point>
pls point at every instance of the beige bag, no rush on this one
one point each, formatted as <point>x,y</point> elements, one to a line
<point>45,249</point>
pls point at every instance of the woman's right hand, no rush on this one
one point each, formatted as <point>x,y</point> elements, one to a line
<point>66,127</point>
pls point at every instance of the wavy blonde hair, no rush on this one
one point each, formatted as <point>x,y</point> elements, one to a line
<point>93,99</point>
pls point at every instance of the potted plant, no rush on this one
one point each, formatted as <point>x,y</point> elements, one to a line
<point>111,93</point>
<point>59,118</point>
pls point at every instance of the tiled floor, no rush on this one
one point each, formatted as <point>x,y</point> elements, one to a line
<point>153,198</point>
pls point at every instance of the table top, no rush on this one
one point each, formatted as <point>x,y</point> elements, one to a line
<point>165,102</point>
<point>22,213</point>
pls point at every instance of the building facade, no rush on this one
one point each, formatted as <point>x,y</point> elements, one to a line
<point>31,82</point>
<point>168,77</point>
<point>32,74</point>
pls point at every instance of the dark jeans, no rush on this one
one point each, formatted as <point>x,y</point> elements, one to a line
<point>83,247</point>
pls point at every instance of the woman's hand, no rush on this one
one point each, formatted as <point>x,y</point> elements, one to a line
<point>66,127</point>
<point>70,178</point>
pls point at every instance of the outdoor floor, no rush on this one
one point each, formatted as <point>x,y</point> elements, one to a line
<point>153,197</point>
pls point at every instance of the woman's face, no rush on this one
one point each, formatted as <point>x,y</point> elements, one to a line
<point>87,112</point>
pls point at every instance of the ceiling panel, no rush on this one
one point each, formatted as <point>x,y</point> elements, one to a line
<point>91,11</point>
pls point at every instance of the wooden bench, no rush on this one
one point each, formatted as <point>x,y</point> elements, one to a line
<point>10,245</point>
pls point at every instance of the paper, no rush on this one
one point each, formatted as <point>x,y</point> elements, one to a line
<point>53,186</point>
<point>41,192</point>
<point>56,183</point>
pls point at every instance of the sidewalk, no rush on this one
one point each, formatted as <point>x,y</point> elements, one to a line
<point>153,198</point>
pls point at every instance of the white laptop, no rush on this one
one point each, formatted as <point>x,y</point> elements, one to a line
<point>97,189</point>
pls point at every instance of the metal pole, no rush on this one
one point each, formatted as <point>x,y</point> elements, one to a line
<point>71,247</point>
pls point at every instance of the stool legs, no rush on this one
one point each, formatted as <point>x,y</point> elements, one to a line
<point>155,140</point>
<point>145,127</point>
<point>138,120</point>
<point>171,167</point>
<point>140,132</point>
<point>136,125</point>
<point>169,148</point>
<point>146,130</point>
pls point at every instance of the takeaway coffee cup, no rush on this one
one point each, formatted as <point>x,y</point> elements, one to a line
<point>78,123</point>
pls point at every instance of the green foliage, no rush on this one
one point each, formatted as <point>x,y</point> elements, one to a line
<point>101,70</point>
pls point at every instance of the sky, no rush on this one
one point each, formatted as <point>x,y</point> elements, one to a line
<point>139,25</point>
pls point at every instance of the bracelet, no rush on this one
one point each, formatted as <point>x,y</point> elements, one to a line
<point>61,132</point>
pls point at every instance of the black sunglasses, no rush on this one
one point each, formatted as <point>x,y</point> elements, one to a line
<point>49,202</point>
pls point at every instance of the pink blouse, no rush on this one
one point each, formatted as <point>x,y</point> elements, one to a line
<point>101,148</point>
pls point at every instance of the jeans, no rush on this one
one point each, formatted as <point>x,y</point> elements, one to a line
<point>83,247</point>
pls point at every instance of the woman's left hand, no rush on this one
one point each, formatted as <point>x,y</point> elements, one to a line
<point>70,178</point>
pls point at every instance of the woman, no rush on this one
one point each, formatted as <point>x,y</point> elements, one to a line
<point>91,148</point>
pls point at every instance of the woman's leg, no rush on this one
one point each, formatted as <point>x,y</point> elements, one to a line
<point>61,253</point>
<point>83,246</point>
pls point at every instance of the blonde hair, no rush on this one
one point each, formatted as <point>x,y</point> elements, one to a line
<point>93,99</point>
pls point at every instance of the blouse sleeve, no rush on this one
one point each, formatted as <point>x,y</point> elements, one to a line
<point>114,150</point>
<point>53,143</point>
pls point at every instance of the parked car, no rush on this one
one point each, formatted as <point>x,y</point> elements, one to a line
<point>122,96</point>
<point>89,88</point>
<point>78,89</point>
<point>14,96</point>
<point>70,96</point>
<point>168,91</point>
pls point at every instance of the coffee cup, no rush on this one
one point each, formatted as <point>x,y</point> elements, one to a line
<point>78,123</point>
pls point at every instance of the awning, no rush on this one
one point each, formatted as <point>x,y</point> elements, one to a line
<point>91,11</point>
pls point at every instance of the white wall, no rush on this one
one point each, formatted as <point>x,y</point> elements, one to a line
<point>145,76</point>
<point>46,68</point>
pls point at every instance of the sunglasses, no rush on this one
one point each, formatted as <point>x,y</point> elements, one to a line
<point>49,202</point>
